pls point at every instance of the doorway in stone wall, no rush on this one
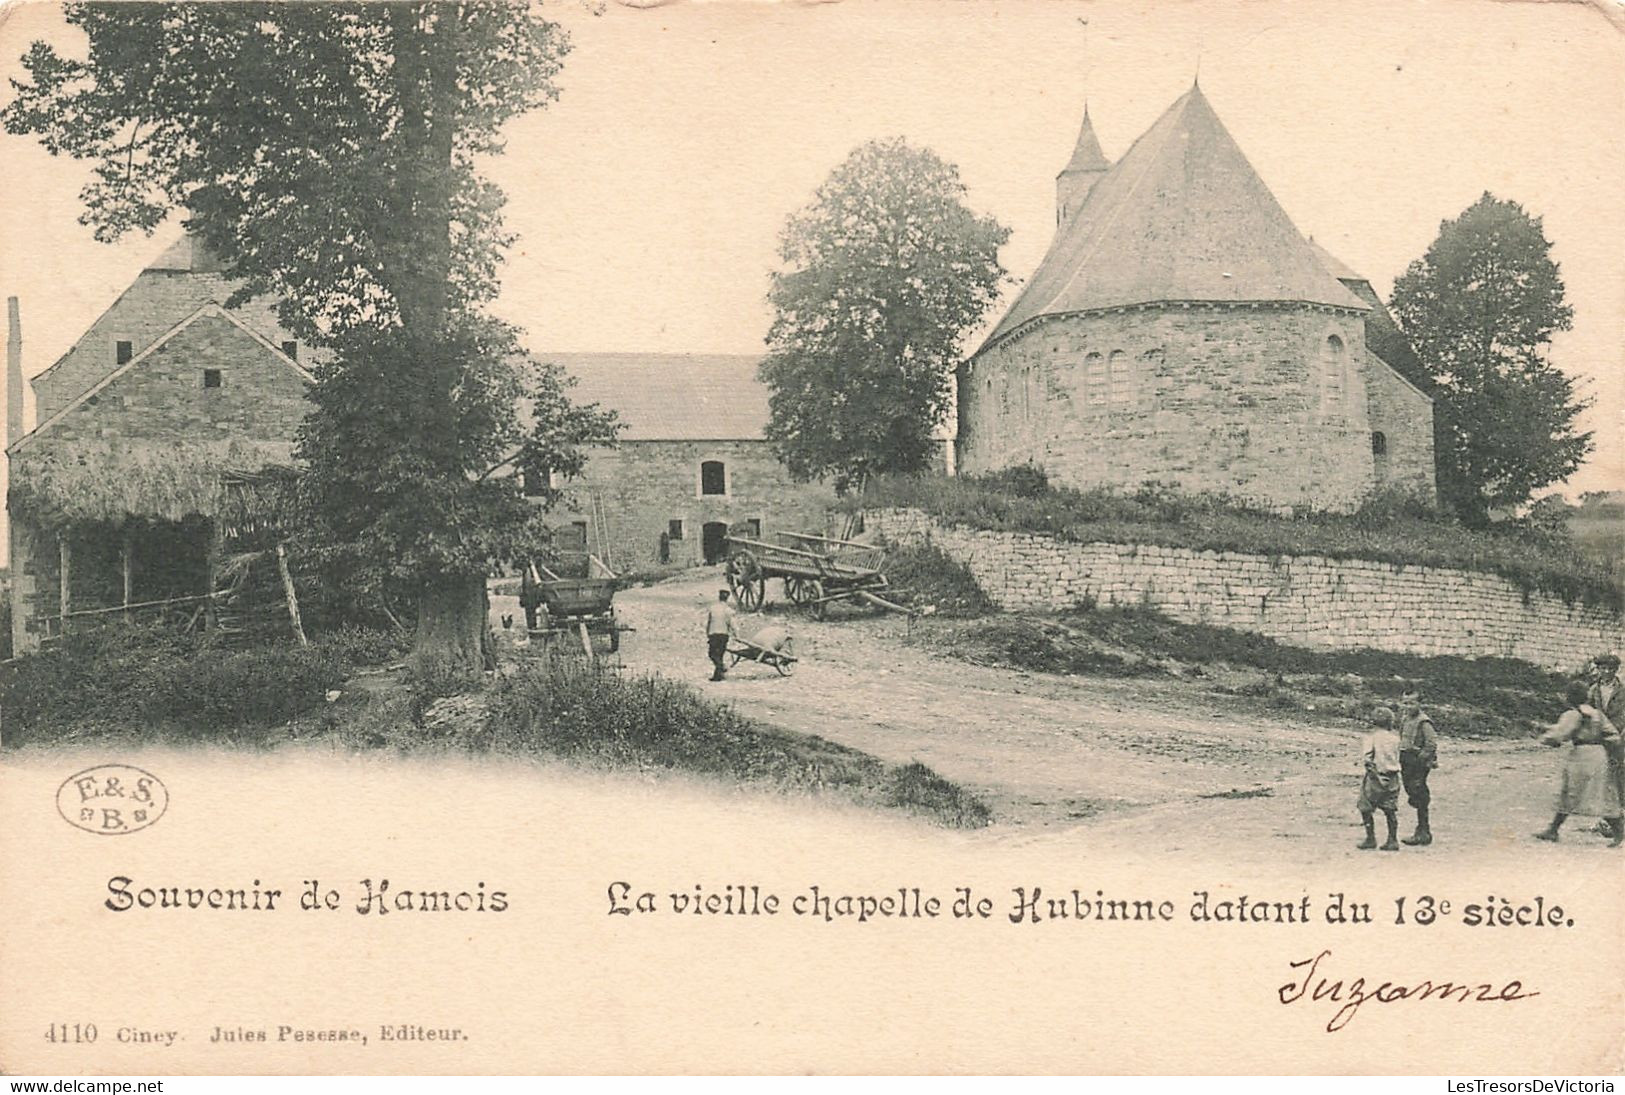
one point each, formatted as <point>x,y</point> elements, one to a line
<point>714,541</point>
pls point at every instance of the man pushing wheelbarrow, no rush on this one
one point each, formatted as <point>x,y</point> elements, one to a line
<point>770,645</point>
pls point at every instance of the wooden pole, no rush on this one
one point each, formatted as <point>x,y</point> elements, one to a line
<point>126,551</point>
<point>65,571</point>
<point>288,591</point>
<point>211,566</point>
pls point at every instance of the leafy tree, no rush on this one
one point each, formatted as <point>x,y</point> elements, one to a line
<point>330,151</point>
<point>1481,307</point>
<point>886,272</point>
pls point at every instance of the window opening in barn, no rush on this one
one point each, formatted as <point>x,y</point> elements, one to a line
<point>713,478</point>
<point>1094,378</point>
<point>1379,443</point>
<point>578,534</point>
<point>674,529</point>
<point>211,378</point>
<point>751,529</point>
<point>291,348</point>
<point>122,352</point>
<point>536,482</point>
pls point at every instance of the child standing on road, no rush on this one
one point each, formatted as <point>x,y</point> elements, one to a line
<point>1379,790</point>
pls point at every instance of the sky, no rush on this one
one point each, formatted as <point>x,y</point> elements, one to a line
<point>648,200</point>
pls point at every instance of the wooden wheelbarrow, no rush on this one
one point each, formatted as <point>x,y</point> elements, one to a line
<point>782,659</point>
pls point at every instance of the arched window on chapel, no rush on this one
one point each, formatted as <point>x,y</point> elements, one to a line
<point>1334,378</point>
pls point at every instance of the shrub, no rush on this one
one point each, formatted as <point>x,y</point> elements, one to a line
<point>154,679</point>
<point>1019,481</point>
<point>924,575</point>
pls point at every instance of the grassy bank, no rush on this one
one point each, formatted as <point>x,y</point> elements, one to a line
<point>1481,698</point>
<point>154,685</point>
<point>161,684</point>
<point>569,708</point>
<point>1390,529</point>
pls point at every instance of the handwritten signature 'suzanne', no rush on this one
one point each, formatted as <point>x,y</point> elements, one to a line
<point>1354,993</point>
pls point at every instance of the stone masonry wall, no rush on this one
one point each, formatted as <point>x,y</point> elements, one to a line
<point>646,485</point>
<point>1404,416</point>
<point>1341,604</point>
<point>1243,401</point>
<point>160,404</point>
<point>162,398</point>
<point>154,303</point>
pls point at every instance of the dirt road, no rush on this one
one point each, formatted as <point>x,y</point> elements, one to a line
<point>1138,763</point>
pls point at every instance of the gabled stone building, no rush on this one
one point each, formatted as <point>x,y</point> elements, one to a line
<point>155,427</point>
<point>1181,330</point>
<point>692,463</point>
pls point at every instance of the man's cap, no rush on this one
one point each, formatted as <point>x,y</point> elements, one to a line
<point>1606,661</point>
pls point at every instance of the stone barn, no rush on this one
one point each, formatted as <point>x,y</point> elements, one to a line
<point>691,465</point>
<point>152,430</point>
<point>160,429</point>
<point>1180,329</point>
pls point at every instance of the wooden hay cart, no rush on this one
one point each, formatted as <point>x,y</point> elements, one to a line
<point>816,570</point>
<point>584,606</point>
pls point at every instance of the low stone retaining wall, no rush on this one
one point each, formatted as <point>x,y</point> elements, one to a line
<point>1306,600</point>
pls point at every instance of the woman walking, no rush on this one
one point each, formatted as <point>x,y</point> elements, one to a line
<point>1586,787</point>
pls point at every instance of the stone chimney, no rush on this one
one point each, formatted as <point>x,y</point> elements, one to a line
<point>1080,174</point>
<point>14,373</point>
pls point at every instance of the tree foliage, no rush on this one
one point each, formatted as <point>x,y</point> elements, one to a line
<point>1480,308</point>
<point>885,272</point>
<point>331,153</point>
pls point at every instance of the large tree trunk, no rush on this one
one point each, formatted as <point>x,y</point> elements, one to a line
<point>451,624</point>
<point>451,611</point>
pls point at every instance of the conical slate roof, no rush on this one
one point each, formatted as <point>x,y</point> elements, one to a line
<point>1335,266</point>
<point>1181,217</point>
<point>1087,156</point>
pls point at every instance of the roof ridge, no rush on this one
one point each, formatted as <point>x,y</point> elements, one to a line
<point>211,308</point>
<point>1183,215</point>
<point>1179,105</point>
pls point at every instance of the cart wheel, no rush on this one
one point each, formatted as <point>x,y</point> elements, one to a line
<point>786,664</point>
<point>820,607</point>
<point>795,590</point>
<point>746,580</point>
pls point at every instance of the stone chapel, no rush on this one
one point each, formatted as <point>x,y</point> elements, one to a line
<point>1182,330</point>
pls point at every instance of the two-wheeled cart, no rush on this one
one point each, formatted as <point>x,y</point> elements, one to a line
<point>815,570</point>
<point>583,607</point>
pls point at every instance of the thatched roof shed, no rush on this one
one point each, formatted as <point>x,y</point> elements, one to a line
<point>109,485</point>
